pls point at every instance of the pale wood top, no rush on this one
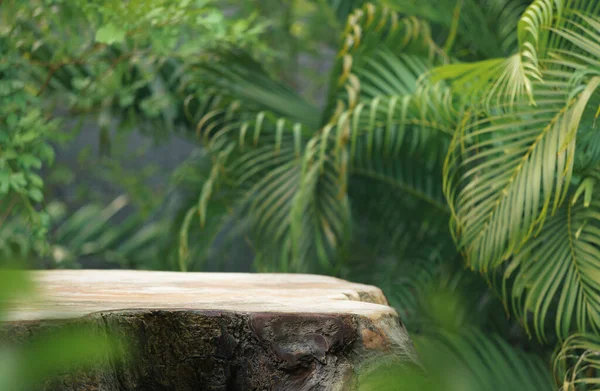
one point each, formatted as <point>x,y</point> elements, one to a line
<point>75,293</point>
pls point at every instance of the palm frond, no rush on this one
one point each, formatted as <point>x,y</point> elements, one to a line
<point>504,173</point>
<point>265,165</point>
<point>342,8</point>
<point>510,168</point>
<point>470,27</point>
<point>381,53</point>
<point>555,275</point>
<point>551,35</point>
<point>93,233</point>
<point>577,363</point>
<point>236,74</point>
<point>392,125</point>
<point>320,215</point>
<point>490,83</point>
<point>185,215</point>
<point>293,180</point>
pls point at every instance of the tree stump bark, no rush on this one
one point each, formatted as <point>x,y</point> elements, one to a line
<point>218,331</point>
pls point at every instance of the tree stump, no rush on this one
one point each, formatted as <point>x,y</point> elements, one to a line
<point>218,331</point>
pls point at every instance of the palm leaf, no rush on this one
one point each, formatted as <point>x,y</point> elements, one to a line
<point>555,275</point>
<point>342,8</point>
<point>546,30</point>
<point>529,154</point>
<point>320,215</point>
<point>259,162</point>
<point>292,179</point>
<point>236,74</point>
<point>551,34</point>
<point>504,173</point>
<point>508,171</point>
<point>472,28</point>
<point>378,33</point>
<point>487,84</point>
<point>577,363</point>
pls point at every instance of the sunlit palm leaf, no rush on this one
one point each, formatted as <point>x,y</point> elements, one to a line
<point>504,173</point>
<point>524,166</point>
<point>555,276</point>
<point>557,35</point>
<point>491,83</point>
<point>507,172</point>
<point>551,27</point>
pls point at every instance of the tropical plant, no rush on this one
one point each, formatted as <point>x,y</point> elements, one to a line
<point>97,60</point>
<point>480,114</point>
<point>24,147</point>
<point>91,236</point>
<point>576,363</point>
<point>107,62</point>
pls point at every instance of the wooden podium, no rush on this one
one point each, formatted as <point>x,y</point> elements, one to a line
<point>218,331</point>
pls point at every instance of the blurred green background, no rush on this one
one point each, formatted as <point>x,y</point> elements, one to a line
<point>443,150</point>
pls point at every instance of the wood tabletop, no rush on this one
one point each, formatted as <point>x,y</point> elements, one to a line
<point>74,293</point>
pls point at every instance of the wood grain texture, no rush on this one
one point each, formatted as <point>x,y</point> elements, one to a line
<point>217,331</point>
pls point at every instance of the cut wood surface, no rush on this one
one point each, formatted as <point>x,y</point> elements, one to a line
<point>218,331</point>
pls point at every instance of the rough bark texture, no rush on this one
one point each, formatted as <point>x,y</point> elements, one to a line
<point>205,331</point>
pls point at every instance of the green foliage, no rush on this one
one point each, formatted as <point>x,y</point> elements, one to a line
<point>109,62</point>
<point>509,172</point>
<point>115,50</point>
<point>24,132</point>
<point>576,363</point>
<point>468,361</point>
<point>106,62</point>
<point>477,115</point>
<point>407,124</point>
<point>90,233</point>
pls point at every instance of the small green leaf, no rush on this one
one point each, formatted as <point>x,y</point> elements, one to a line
<point>47,153</point>
<point>109,34</point>
<point>36,195</point>
<point>28,160</point>
<point>82,82</point>
<point>35,180</point>
<point>17,180</point>
<point>587,188</point>
<point>9,154</point>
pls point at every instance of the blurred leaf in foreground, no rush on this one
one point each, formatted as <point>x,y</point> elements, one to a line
<point>13,283</point>
<point>459,356</point>
<point>469,361</point>
<point>51,353</point>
